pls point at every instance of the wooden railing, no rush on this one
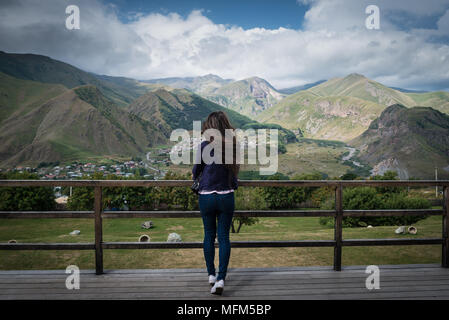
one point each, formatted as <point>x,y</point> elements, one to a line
<point>337,243</point>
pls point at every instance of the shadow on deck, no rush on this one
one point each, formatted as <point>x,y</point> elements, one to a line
<point>396,282</point>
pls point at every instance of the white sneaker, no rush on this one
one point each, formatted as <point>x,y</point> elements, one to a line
<point>218,287</point>
<point>212,280</point>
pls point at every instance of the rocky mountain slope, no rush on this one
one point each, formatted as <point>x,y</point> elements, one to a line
<point>411,141</point>
<point>249,96</point>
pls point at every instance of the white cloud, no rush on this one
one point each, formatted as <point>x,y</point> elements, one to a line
<point>333,43</point>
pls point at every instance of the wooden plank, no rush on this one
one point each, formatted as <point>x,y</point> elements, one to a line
<point>237,213</point>
<point>338,227</point>
<point>238,290</point>
<point>378,213</point>
<point>270,273</point>
<point>244,284</point>
<point>390,242</point>
<point>344,183</point>
<point>196,214</point>
<point>176,281</point>
<point>241,284</point>
<point>47,246</point>
<point>98,203</point>
<point>337,293</point>
<point>95,183</point>
<point>396,282</point>
<point>393,183</point>
<point>445,246</point>
<point>234,244</point>
<point>296,269</point>
<point>243,183</point>
<point>207,296</point>
<point>45,214</point>
<point>238,278</point>
<point>431,269</point>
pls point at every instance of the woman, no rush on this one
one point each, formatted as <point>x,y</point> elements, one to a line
<point>218,180</point>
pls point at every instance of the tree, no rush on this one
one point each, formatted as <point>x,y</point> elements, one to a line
<point>247,199</point>
<point>241,221</point>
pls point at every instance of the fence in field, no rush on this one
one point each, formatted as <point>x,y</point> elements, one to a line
<point>337,243</point>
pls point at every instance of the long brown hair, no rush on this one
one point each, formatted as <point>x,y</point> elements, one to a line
<point>219,120</point>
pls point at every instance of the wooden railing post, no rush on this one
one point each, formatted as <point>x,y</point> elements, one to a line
<point>445,251</point>
<point>98,209</point>
<point>338,226</point>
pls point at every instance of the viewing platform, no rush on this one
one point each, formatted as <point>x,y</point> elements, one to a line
<point>330,282</point>
<point>396,282</point>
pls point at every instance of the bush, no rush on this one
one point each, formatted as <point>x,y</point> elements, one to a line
<point>135,198</point>
<point>26,198</point>
<point>367,198</point>
<point>177,196</point>
<point>289,197</point>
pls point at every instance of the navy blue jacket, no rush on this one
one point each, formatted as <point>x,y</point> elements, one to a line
<point>215,177</point>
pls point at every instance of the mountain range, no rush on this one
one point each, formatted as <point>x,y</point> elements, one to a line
<point>50,110</point>
<point>78,123</point>
<point>247,96</point>
<point>343,108</point>
<point>201,85</point>
<point>85,116</point>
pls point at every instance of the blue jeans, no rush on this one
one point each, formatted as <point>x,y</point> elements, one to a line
<point>217,207</point>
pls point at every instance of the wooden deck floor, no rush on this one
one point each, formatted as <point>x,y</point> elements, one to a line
<point>396,282</point>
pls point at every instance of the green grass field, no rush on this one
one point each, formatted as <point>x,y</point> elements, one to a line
<point>57,230</point>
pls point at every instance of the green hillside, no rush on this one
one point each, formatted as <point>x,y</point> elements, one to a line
<point>77,124</point>
<point>44,69</point>
<point>358,86</point>
<point>178,108</point>
<point>438,100</point>
<point>333,118</point>
<point>342,108</point>
<point>19,96</point>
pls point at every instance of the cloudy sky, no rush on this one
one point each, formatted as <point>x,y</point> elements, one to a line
<point>287,42</point>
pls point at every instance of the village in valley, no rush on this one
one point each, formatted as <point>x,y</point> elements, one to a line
<point>153,167</point>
